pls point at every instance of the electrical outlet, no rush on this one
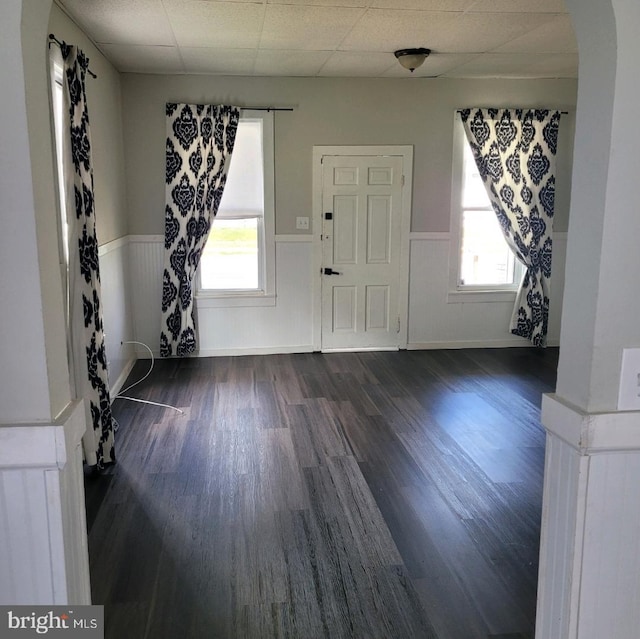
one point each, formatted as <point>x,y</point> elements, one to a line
<point>629,391</point>
<point>302,223</point>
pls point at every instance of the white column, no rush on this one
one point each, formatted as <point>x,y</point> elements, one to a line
<point>43,538</point>
<point>589,585</point>
<point>590,546</point>
<point>24,382</point>
<point>44,556</point>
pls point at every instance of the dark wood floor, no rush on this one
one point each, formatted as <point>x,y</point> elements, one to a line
<point>370,495</point>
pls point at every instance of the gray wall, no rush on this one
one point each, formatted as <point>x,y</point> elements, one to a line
<point>330,111</point>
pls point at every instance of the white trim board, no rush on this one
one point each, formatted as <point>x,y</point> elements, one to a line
<point>515,342</point>
<point>236,352</point>
<point>116,386</point>
<point>429,236</point>
<point>306,237</point>
<point>114,245</point>
<point>590,433</point>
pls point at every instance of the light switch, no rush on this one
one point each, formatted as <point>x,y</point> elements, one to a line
<point>302,223</point>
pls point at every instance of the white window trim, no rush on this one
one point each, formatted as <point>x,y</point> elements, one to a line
<point>266,294</point>
<point>458,292</point>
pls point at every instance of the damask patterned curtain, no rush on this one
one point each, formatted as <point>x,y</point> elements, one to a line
<point>87,335</point>
<point>515,153</point>
<point>200,141</point>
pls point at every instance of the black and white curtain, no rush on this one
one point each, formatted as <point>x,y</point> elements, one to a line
<point>515,153</point>
<point>87,335</point>
<point>200,141</point>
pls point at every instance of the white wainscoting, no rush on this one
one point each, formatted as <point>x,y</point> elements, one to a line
<point>234,330</point>
<point>44,557</point>
<point>116,309</point>
<point>146,257</point>
<point>437,322</point>
<point>434,321</point>
<point>563,466</point>
<point>589,583</point>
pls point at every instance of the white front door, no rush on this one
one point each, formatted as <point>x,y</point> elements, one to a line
<point>361,233</point>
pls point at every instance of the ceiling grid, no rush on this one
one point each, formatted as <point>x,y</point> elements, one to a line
<point>332,38</point>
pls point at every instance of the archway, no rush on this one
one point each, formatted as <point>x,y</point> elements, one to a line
<point>588,578</point>
<point>582,535</point>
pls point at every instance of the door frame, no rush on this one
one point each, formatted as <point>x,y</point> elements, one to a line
<point>406,153</point>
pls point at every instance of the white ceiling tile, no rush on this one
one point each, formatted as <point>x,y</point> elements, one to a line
<point>122,21</point>
<point>170,2</point>
<point>556,36</point>
<point>290,63</point>
<point>218,61</point>
<point>298,37</point>
<point>519,6</point>
<point>388,30</point>
<point>304,27</point>
<point>554,65</point>
<point>491,65</point>
<point>324,3</point>
<point>481,32</point>
<point>423,5</point>
<point>511,65</point>
<point>358,64</point>
<point>223,25</point>
<point>143,58</point>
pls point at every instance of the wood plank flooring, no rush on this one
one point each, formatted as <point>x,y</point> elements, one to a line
<point>365,495</point>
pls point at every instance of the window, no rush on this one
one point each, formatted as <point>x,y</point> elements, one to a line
<point>60,126</point>
<point>481,260</point>
<point>238,258</point>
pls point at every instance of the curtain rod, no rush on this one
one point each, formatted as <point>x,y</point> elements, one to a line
<point>252,108</point>
<point>522,108</point>
<point>52,38</point>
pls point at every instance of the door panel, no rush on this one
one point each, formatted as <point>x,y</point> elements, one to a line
<point>379,229</point>
<point>343,175</point>
<point>345,228</point>
<point>380,175</point>
<point>344,309</point>
<point>377,317</point>
<point>361,247</point>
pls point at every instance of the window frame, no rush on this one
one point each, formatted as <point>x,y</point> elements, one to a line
<point>265,294</point>
<point>459,292</point>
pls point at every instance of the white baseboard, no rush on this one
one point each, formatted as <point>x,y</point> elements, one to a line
<point>268,350</point>
<point>308,348</point>
<point>116,387</point>
<point>362,349</point>
<point>232,352</point>
<point>458,344</point>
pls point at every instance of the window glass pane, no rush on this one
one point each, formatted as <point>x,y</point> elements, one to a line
<point>230,258</point>
<point>474,193</point>
<point>244,190</point>
<point>58,119</point>
<point>485,257</point>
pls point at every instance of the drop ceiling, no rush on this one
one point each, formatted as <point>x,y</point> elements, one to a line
<point>332,38</point>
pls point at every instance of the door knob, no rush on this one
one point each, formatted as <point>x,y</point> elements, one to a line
<point>330,271</point>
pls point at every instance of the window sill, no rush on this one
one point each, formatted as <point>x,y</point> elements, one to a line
<point>459,297</point>
<point>230,300</point>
